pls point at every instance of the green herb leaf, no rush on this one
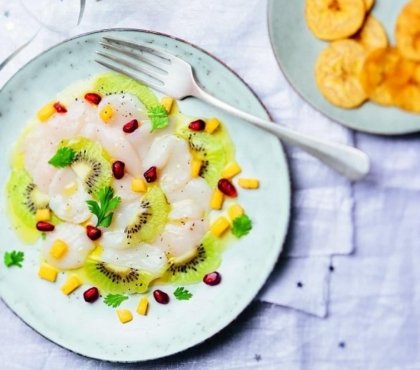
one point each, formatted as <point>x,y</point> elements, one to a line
<point>241,226</point>
<point>14,258</point>
<point>114,300</point>
<point>103,209</point>
<point>182,294</point>
<point>63,158</point>
<point>43,235</point>
<point>158,116</point>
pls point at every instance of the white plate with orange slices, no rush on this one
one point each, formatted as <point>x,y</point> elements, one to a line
<point>356,61</point>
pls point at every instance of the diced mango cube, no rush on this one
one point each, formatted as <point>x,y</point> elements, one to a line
<point>48,272</point>
<point>138,185</point>
<point>43,214</point>
<point>167,103</point>
<point>59,249</point>
<point>249,183</point>
<point>72,283</point>
<point>124,315</point>
<point>217,199</point>
<point>231,169</point>
<point>143,306</point>
<point>235,210</point>
<point>106,113</point>
<point>196,167</point>
<point>220,226</point>
<point>45,113</point>
<point>211,125</point>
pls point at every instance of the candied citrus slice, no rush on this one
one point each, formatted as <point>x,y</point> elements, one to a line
<point>372,35</point>
<point>337,73</point>
<point>369,4</point>
<point>408,97</point>
<point>407,31</point>
<point>334,19</point>
<point>384,72</point>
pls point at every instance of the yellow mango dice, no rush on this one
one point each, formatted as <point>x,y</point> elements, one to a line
<point>234,211</point>
<point>220,226</point>
<point>72,283</point>
<point>106,113</point>
<point>231,169</point>
<point>196,167</point>
<point>249,183</point>
<point>138,185</point>
<point>45,113</point>
<point>59,249</point>
<point>48,272</point>
<point>211,125</point>
<point>43,214</point>
<point>124,315</point>
<point>217,199</point>
<point>167,103</point>
<point>143,306</point>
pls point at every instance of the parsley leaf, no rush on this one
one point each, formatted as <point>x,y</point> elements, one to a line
<point>242,225</point>
<point>182,294</point>
<point>103,209</point>
<point>14,258</point>
<point>114,300</point>
<point>158,116</point>
<point>63,158</point>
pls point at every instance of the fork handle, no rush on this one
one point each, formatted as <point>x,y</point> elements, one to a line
<point>349,161</point>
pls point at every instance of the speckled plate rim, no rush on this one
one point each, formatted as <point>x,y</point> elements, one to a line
<point>281,237</point>
<point>392,132</point>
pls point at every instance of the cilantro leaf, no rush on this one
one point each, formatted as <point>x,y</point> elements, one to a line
<point>103,209</point>
<point>63,157</point>
<point>158,116</point>
<point>114,300</point>
<point>14,258</point>
<point>242,225</point>
<point>182,294</point>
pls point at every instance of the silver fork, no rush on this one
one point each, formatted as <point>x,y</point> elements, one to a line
<point>175,77</point>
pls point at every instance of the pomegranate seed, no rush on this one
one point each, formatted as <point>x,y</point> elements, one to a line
<point>44,226</point>
<point>161,297</point>
<point>214,278</point>
<point>151,174</point>
<point>197,125</point>
<point>227,188</point>
<point>59,108</point>
<point>118,169</point>
<point>131,126</point>
<point>91,295</point>
<point>93,98</point>
<point>93,232</point>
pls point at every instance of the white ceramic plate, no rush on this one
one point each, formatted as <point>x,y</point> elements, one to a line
<point>94,330</point>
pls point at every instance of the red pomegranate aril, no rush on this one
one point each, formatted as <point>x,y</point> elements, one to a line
<point>118,169</point>
<point>91,295</point>
<point>59,108</point>
<point>198,125</point>
<point>161,297</point>
<point>227,188</point>
<point>93,232</point>
<point>93,98</point>
<point>151,174</point>
<point>44,226</point>
<point>214,278</point>
<point>131,126</point>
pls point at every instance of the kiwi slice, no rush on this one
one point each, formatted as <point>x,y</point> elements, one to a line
<point>151,221</point>
<point>91,163</point>
<point>115,83</point>
<point>192,268</point>
<point>24,198</point>
<point>214,150</point>
<point>111,278</point>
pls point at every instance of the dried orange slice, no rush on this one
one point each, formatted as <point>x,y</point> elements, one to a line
<point>384,72</point>
<point>334,19</point>
<point>337,73</point>
<point>408,97</point>
<point>407,31</point>
<point>369,4</point>
<point>372,35</point>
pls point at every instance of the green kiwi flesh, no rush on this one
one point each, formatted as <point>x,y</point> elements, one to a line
<point>205,260</point>
<point>91,164</point>
<point>111,278</point>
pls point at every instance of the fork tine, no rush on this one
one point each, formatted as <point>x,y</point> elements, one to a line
<point>152,83</point>
<point>145,47</point>
<point>135,66</point>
